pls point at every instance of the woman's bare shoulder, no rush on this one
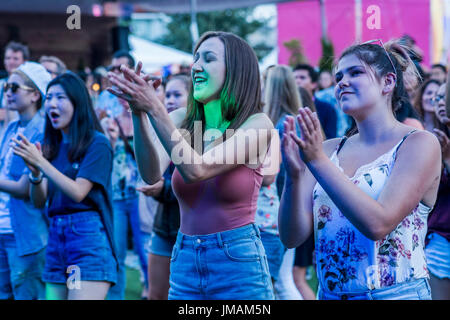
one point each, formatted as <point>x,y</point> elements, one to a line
<point>258,121</point>
<point>178,116</point>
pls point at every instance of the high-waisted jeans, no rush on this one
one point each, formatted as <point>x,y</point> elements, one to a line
<point>229,265</point>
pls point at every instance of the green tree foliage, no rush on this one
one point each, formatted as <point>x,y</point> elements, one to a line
<point>237,21</point>
<point>326,61</point>
<point>296,49</point>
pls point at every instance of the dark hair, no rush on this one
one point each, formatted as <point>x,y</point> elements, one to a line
<point>312,73</point>
<point>241,93</point>
<point>418,101</point>
<point>440,66</point>
<point>16,46</point>
<point>126,54</point>
<point>84,122</point>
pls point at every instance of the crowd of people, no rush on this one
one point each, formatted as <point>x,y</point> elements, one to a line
<point>359,198</point>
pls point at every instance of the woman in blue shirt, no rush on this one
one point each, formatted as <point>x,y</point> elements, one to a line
<point>76,160</point>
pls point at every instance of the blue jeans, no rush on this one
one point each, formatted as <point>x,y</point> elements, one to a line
<point>438,256</point>
<point>229,265</point>
<point>20,277</point>
<point>161,246</point>
<point>275,251</point>
<point>79,240</point>
<point>127,212</point>
<point>418,289</point>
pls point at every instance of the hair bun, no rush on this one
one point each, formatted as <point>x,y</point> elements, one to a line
<point>411,75</point>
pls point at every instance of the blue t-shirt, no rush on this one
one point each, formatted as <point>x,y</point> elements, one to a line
<point>95,166</point>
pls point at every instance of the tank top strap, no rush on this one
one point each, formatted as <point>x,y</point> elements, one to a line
<point>394,156</point>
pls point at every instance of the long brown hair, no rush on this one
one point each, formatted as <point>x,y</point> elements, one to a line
<point>241,93</point>
<point>280,94</point>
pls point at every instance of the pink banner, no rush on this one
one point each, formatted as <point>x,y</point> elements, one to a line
<point>385,19</point>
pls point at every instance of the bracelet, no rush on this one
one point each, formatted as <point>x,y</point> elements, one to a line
<point>34,180</point>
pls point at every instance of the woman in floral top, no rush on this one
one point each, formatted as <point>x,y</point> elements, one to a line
<point>124,179</point>
<point>366,196</point>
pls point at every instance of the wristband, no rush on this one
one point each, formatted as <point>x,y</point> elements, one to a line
<point>34,180</point>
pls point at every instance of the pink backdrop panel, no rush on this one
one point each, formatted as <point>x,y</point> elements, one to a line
<point>301,20</point>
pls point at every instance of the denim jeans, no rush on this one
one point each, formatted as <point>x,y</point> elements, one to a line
<point>418,289</point>
<point>126,212</point>
<point>162,246</point>
<point>274,250</point>
<point>79,240</point>
<point>20,276</point>
<point>438,256</point>
<point>229,265</point>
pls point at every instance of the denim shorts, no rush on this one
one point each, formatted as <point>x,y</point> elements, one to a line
<point>229,265</point>
<point>418,289</point>
<point>161,246</point>
<point>78,246</point>
<point>275,251</point>
<point>438,256</point>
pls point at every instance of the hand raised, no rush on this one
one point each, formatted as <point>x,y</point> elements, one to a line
<point>138,90</point>
<point>311,139</point>
<point>290,151</point>
<point>30,153</point>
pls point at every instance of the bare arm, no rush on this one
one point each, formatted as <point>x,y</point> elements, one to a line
<point>17,189</point>
<point>74,189</point>
<point>295,218</point>
<point>415,174</point>
<point>38,193</point>
<point>151,157</point>
<point>191,165</point>
<point>242,148</point>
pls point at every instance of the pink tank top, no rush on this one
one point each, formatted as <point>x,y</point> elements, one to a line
<point>222,203</point>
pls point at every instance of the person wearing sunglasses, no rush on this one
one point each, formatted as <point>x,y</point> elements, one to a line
<point>23,228</point>
<point>365,196</point>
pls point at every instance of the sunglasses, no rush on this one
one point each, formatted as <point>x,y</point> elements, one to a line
<point>387,54</point>
<point>14,87</point>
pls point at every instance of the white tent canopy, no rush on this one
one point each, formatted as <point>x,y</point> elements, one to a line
<point>269,60</point>
<point>155,56</point>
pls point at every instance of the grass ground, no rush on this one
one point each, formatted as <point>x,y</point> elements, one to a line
<point>134,288</point>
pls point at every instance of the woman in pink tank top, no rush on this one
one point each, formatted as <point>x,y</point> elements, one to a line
<point>366,196</point>
<point>218,145</point>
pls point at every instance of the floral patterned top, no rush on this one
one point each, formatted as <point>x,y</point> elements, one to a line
<point>125,173</point>
<point>266,217</point>
<point>348,261</point>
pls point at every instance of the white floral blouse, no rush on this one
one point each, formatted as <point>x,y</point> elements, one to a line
<point>347,261</point>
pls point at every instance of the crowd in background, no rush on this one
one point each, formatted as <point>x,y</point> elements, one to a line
<point>84,138</point>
